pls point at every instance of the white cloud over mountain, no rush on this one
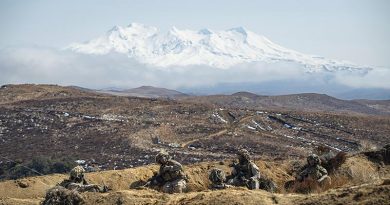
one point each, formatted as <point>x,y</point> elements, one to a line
<point>220,49</point>
<point>179,59</point>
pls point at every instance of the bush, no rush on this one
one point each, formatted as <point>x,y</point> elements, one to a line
<point>37,165</point>
<point>19,171</point>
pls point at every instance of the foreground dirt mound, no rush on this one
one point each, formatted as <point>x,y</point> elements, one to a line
<point>357,181</point>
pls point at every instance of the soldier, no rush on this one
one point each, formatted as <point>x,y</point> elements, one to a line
<point>313,170</point>
<point>218,179</point>
<point>170,176</point>
<point>245,172</point>
<point>78,183</point>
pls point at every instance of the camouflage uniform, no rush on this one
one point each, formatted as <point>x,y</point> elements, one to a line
<point>245,173</point>
<point>313,170</point>
<point>78,183</point>
<point>218,179</point>
<point>59,195</point>
<point>171,175</point>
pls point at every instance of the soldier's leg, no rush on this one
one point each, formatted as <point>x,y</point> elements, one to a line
<point>253,184</point>
<point>179,186</point>
<point>236,182</point>
<point>167,187</point>
<point>89,188</point>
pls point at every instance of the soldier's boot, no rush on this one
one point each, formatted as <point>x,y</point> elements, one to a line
<point>220,186</point>
<point>268,185</point>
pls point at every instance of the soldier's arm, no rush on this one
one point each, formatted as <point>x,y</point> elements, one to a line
<point>173,166</point>
<point>85,181</point>
<point>74,186</point>
<point>64,183</point>
<point>234,171</point>
<point>323,170</point>
<point>301,175</point>
<point>303,168</point>
<point>255,171</point>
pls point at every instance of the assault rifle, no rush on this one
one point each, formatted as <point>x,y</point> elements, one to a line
<point>155,180</point>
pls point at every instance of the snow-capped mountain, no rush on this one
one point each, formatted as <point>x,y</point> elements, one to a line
<point>220,49</point>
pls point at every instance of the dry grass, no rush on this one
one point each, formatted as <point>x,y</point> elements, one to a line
<point>358,170</point>
<point>338,181</point>
<point>367,146</point>
<point>360,174</point>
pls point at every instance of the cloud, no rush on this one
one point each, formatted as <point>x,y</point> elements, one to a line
<point>52,66</point>
<point>376,78</point>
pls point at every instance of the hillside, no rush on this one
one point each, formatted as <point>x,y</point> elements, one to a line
<point>297,102</point>
<point>147,92</point>
<point>25,92</point>
<point>116,132</point>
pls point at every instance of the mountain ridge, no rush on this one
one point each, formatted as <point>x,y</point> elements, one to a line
<point>149,92</point>
<point>220,49</point>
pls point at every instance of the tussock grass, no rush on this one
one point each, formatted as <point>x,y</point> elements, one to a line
<point>367,146</point>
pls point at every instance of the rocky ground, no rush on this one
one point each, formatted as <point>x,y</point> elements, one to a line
<point>114,132</point>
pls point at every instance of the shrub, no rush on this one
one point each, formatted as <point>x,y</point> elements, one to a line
<point>37,165</point>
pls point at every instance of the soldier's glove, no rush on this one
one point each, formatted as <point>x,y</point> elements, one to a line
<point>253,178</point>
<point>105,189</point>
<point>245,180</point>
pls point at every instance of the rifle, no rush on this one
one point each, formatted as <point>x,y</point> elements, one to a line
<point>155,180</point>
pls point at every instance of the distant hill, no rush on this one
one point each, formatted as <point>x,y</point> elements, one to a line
<point>247,100</point>
<point>21,92</point>
<point>301,102</point>
<point>365,93</point>
<point>381,105</point>
<point>247,95</point>
<point>147,91</point>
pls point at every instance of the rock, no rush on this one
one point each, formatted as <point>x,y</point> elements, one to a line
<point>22,184</point>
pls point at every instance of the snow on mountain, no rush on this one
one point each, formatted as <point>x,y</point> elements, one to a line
<point>220,49</point>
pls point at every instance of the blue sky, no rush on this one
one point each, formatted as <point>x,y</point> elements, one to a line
<point>353,30</point>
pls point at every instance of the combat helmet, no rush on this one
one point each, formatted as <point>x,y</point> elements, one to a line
<point>217,176</point>
<point>77,172</point>
<point>244,153</point>
<point>162,155</point>
<point>315,158</point>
